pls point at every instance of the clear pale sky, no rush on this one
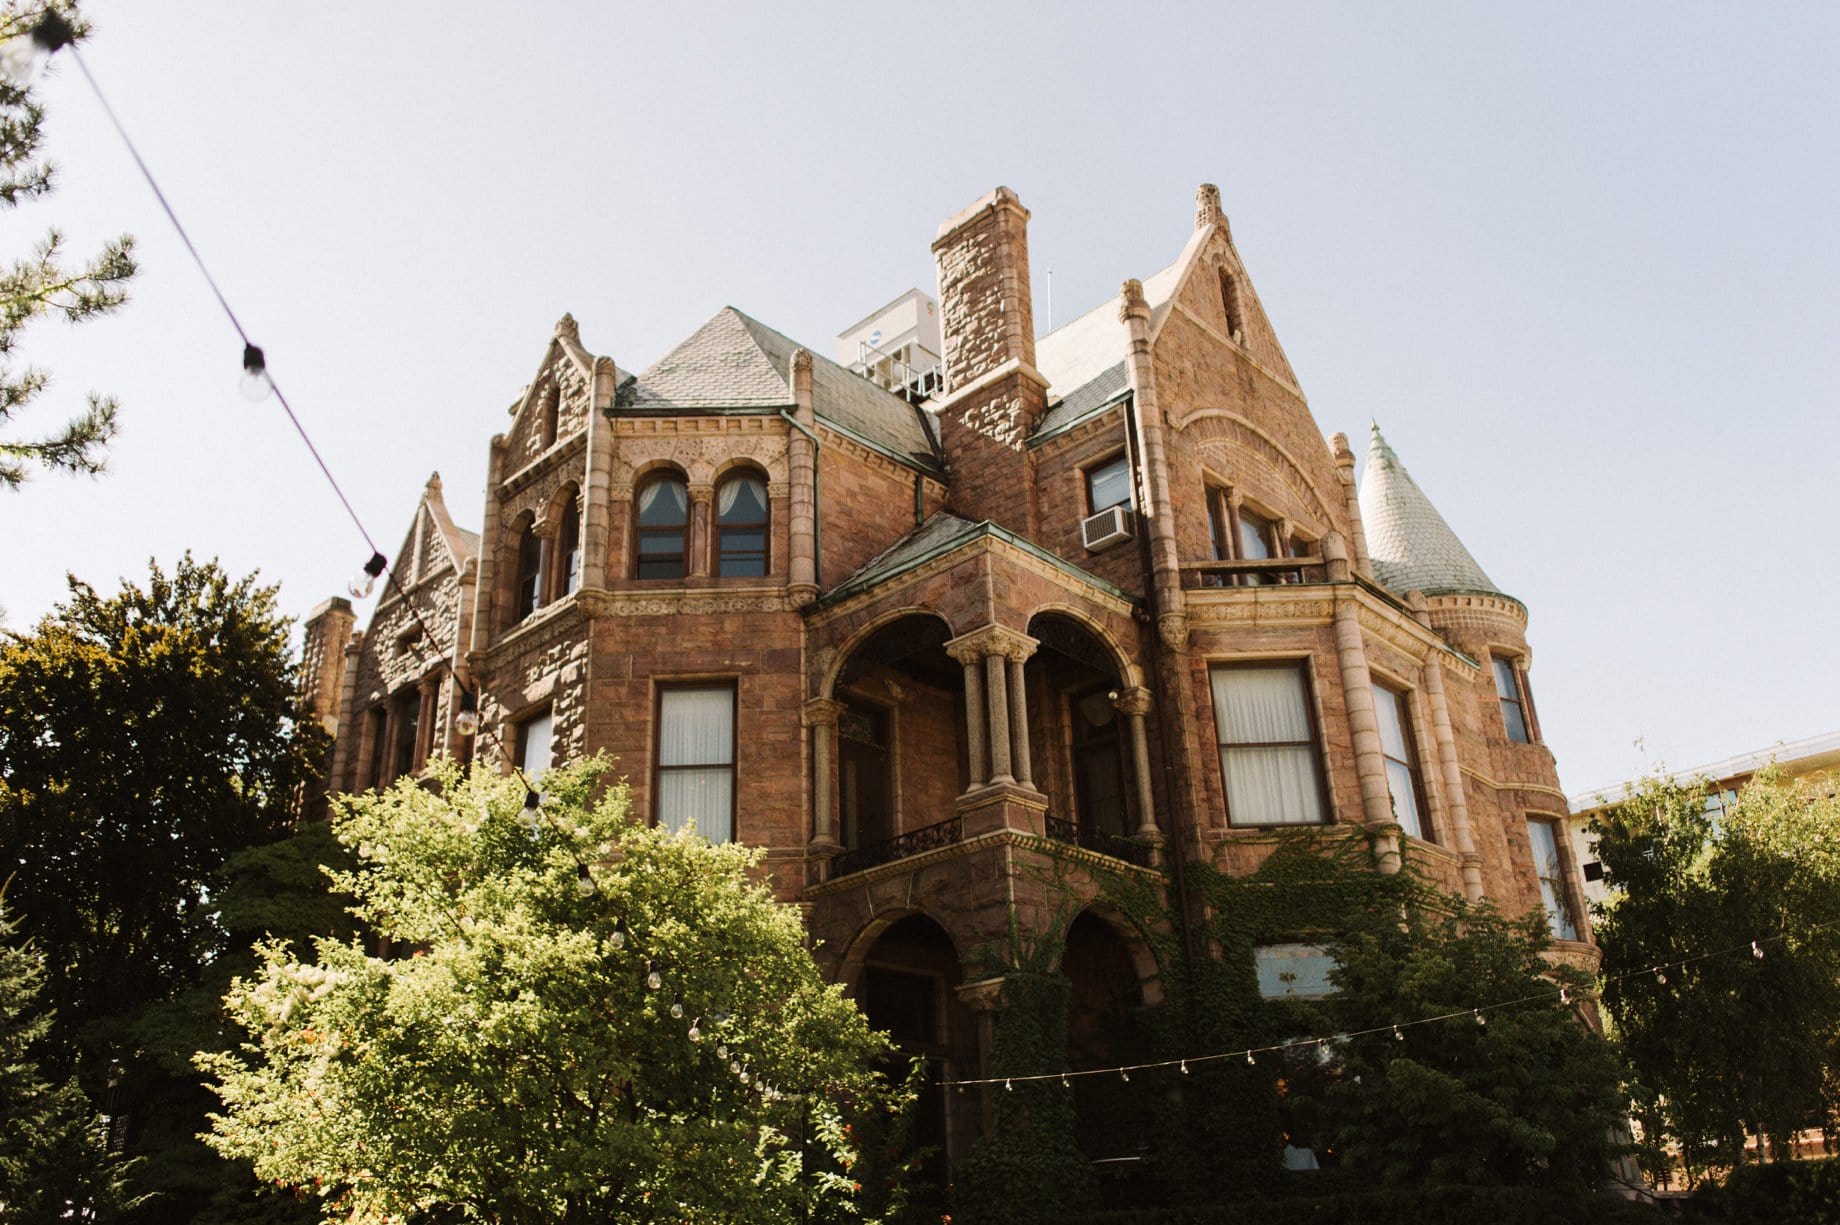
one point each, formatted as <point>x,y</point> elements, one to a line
<point>1578,260</point>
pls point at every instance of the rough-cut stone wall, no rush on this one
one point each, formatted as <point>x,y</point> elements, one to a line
<point>322,657</point>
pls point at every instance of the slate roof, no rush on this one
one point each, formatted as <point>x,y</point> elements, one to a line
<point>734,362</point>
<point>940,531</point>
<point>1083,360</point>
<point>1411,546</point>
<point>1082,400</point>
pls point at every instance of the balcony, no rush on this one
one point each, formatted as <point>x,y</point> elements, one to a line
<point>1255,572</point>
<point>903,846</point>
<point>1130,850</point>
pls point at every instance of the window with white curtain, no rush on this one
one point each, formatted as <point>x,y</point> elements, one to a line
<point>1551,870</point>
<point>741,527</point>
<point>696,759</point>
<point>1400,749</point>
<point>533,741</point>
<point>663,513</point>
<point>1267,744</point>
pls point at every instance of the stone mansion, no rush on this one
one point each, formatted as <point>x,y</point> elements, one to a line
<point>920,621</point>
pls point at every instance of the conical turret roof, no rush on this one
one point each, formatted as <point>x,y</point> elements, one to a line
<point>1411,546</point>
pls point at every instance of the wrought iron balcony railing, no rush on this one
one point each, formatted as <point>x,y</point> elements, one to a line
<point>903,846</point>
<point>1128,849</point>
<point>1257,572</point>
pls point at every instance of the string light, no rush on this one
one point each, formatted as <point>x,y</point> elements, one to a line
<point>365,581</point>
<point>1660,977</point>
<point>1398,1034</point>
<point>1756,950</point>
<point>584,880</point>
<point>696,1030</point>
<point>22,59</point>
<point>527,816</point>
<point>466,720</point>
<point>677,1007</point>
<point>653,979</point>
<point>1009,1085</point>
<point>255,385</point>
<point>1565,995</point>
<point>1250,1061</point>
<point>722,1051</point>
<point>1124,1074</point>
<point>618,938</point>
<point>1064,1082</point>
<point>1185,1067</point>
<point>1480,1019</point>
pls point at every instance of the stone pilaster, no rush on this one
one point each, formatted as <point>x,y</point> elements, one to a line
<point>1364,724</point>
<point>1134,704</point>
<point>1452,773</point>
<point>820,715</point>
<point>1155,510</point>
<point>802,563</point>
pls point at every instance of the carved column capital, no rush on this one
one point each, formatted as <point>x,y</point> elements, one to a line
<point>821,712</point>
<point>702,493</point>
<point>991,640</point>
<point>1132,701</point>
<point>982,995</point>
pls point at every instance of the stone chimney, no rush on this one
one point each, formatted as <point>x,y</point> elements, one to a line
<point>994,396</point>
<point>322,658</point>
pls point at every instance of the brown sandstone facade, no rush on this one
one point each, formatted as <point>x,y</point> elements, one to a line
<point>940,699</point>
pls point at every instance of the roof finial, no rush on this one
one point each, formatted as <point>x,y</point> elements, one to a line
<point>1208,211</point>
<point>567,329</point>
<point>1131,299</point>
<point>434,482</point>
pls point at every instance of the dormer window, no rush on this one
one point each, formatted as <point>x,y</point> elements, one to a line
<point>1108,484</point>
<point>663,515</point>
<point>741,527</point>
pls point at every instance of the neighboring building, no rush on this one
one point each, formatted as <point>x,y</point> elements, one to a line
<point>1803,759</point>
<point>1099,598</point>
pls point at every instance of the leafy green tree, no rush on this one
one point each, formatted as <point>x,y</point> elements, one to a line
<point>1728,1044</point>
<point>1531,1097</point>
<point>658,1047</point>
<point>145,739</point>
<point>54,1165</point>
<point>43,284</point>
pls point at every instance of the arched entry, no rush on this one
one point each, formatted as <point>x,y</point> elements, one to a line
<point>898,768</point>
<point>1089,764</point>
<point>908,986</point>
<point>1111,1114</point>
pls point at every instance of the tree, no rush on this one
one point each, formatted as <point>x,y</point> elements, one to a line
<point>1727,1044</point>
<point>144,738</point>
<point>657,1045</point>
<point>1532,1097</point>
<point>43,283</point>
<point>53,1163</point>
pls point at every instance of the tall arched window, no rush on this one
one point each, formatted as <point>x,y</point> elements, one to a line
<point>529,572</point>
<point>568,550</point>
<point>741,526</point>
<point>663,510</point>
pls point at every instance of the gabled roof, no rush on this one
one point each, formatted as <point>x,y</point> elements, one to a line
<point>736,363</point>
<point>441,543</point>
<point>1411,546</point>
<point>942,533</point>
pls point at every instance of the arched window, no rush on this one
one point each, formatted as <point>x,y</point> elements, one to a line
<point>568,550</point>
<point>741,526</point>
<point>663,510</point>
<point>529,572</point>
<point>552,407</point>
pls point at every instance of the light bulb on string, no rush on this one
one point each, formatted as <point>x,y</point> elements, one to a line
<point>653,979</point>
<point>466,720</point>
<point>1565,995</point>
<point>722,1051</point>
<point>1064,1082</point>
<point>696,1030</point>
<point>677,1007</point>
<point>1480,1019</point>
<point>22,59</point>
<point>1185,1067</point>
<point>734,1065</point>
<point>255,384</point>
<point>365,581</point>
<point>584,880</point>
<point>1250,1061</point>
<point>1398,1034</point>
<point>1660,977</point>
<point>618,938</point>
<point>1124,1074</point>
<point>1008,1086</point>
<point>1756,950</point>
<point>528,814</point>
<point>744,1076</point>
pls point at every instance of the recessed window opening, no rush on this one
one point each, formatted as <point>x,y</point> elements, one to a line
<point>1109,484</point>
<point>1267,738</point>
<point>534,736</point>
<point>696,760</point>
<point>1550,868</point>
<point>663,508</point>
<point>568,549</point>
<point>741,527</point>
<point>529,572</point>
<point>1513,700</point>
<point>1401,752</point>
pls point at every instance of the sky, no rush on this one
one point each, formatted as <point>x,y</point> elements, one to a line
<point>1578,261</point>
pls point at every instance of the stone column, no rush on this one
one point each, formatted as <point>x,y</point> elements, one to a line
<point>997,683</point>
<point>1157,512</point>
<point>702,530</point>
<point>1364,723</point>
<point>802,561</point>
<point>970,654</point>
<point>820,715</point>
<point>1134,704</point>
<point>486,614</point>
<point>428,690</point>
<point>597,483</point>
<point>1019,718</point>
<point>1357,534</point>
<point>1442,732</point>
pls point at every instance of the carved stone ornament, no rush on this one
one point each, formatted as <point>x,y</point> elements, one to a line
<point>989,640</point>
<point>1131,299</point>
<point>1132,702</point>
<point>567,329</point>
<point>1173,628</point>
<point>1207,207</point>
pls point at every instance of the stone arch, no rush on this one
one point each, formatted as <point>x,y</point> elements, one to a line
<point>1268,453</point>
<point>1129,674</point>
<point>850,966</point>
<point>844,653</point>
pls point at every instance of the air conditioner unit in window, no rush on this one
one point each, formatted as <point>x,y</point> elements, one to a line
<point>1111,526</point>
